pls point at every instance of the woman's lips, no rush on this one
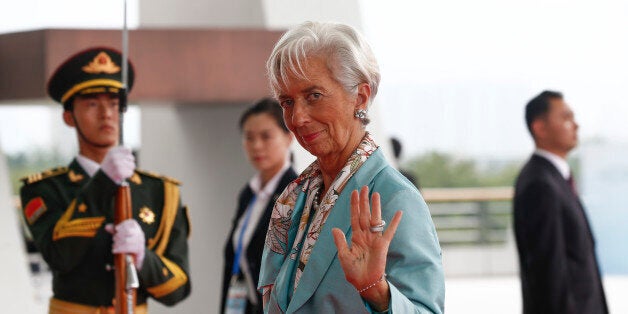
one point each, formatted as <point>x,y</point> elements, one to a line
<point>310,137</point>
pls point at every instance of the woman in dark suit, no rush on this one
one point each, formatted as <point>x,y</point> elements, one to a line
<point>266,141</point>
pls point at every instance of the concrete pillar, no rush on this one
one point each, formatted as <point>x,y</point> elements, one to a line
<point>199,145</point>
<point>16,291</point>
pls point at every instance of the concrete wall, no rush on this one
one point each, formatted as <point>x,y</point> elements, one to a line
<point>200,13</point>
<point>200,146</point>
<point>16,292</point>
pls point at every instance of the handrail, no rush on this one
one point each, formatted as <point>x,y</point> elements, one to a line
<point>470,194</point>
<point>470,216</point>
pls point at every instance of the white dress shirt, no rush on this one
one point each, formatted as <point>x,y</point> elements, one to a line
<point>90,166</point>
<point>262,197</point>
<point>558,162</point>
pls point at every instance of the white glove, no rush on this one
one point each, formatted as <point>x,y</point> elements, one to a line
<point>118,164</point>
<point>128,238</point>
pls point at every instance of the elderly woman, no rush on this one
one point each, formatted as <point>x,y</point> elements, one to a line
<point>325,77</point>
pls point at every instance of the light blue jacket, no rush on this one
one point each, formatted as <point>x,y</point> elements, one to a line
<point>414,267</point>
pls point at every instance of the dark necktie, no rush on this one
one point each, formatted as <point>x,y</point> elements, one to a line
<point>572,184</point>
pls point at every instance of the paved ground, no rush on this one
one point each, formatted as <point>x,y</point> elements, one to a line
<point>500,295</point>
<point>494,295</point>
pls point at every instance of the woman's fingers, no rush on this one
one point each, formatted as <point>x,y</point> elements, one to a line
<point>376,210</point>
<point>365,215</point>
<point>365,211</point>
<point>355,211</point>
<point>340,240</point>
<point>389,233</point>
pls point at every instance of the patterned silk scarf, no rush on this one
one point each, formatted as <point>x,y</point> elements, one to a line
<point>310,181</point>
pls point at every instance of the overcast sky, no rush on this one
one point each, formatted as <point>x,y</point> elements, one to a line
<point>455,74</point>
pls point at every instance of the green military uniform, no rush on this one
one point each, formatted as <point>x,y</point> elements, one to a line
<point>66,212</point>
<point>66,209</point>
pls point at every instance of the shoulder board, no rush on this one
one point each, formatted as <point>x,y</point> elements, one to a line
<point>158,176</point>
<point>44,175</point>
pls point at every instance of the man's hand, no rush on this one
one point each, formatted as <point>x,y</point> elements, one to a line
<point>118,164</point>
<point>128,238</point>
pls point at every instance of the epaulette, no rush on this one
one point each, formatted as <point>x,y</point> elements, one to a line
<point>158,176</point>
<point>36,177</point>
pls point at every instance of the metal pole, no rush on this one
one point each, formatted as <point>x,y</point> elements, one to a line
<point>125,75</point>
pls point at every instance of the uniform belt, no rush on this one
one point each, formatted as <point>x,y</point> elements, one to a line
<point>64,307</point>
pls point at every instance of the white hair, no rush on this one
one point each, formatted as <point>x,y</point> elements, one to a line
<point>349,57</point>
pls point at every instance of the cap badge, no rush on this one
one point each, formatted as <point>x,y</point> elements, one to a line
<point>102,63</point>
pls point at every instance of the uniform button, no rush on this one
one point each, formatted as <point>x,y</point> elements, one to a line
<point>108,267</point>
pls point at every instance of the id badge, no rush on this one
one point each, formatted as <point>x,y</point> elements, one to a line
<point>236,297</point>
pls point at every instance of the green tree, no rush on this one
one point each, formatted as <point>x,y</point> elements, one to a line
<point>24,164</point>
<point>437,169</point>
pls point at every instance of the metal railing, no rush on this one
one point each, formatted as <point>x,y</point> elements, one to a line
<point>470,216</point>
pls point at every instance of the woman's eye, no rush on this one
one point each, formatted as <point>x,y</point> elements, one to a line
<point>286,103</point>
<point>314,96</point>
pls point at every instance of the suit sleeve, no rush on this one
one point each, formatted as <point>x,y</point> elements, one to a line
<point>165,271</point>
<point>545,246</point>
<point>413,267</point>
<point>62,232</point>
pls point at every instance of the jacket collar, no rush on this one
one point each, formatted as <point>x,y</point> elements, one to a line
<point>77,174</point>
<point>558,162</point>
<point>325,250</point>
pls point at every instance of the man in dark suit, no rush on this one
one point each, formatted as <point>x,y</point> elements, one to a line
<point>558,268</point>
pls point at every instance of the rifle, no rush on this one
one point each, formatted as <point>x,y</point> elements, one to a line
<point>126,281</point>
<point>125,272</point>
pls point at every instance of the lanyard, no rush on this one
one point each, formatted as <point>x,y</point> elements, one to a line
<point>235,270</point>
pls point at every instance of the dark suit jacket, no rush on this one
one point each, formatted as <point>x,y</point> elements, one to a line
<point>558,267</point>
<point>256,245</point>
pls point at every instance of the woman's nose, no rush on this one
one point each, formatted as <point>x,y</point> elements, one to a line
<point>299,114</point>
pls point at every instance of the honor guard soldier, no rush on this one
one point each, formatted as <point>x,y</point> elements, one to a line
<point>69,210</point>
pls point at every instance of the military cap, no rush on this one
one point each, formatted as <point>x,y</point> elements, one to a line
<point>91,71</point>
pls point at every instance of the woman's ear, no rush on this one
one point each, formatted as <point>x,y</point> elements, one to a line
<point>68,118</point>
<point>363,96</point>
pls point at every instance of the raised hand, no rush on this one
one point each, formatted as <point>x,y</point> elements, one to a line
<point>364,262</point>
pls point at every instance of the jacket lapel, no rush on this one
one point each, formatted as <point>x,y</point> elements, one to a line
<point>325,251</point>
<point>575,202</point>
<point>262,226</point>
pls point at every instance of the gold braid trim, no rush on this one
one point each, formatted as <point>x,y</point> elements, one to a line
<point>168,215</point>
<point>83,227</point>
<point>159,243</point>
<point>36,177</point>
<point>179,279</point>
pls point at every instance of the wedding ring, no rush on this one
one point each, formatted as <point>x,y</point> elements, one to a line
<point>378,228</point>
